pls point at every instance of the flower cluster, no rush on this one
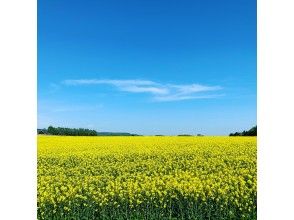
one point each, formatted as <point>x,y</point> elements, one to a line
<point>146,177</point>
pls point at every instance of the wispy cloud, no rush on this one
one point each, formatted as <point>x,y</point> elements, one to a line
<point>193,88</point>
<point>160,92</point>
<point>53,88</point>
<point>177,97</point>
<point>134,86</point>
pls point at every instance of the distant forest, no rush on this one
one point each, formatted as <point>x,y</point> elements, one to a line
<point>79,132</point>
<point>250,132</point>
<point>88,132</point>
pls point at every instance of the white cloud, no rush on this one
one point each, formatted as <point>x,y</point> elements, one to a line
<point>53,88</point>
<point>177,97</point>
<point>160,92</point>
<point>193,88</point>
<point>140,89</point>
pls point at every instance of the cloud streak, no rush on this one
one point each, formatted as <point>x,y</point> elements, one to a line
<point>160,92</point>
<point>171,98</point>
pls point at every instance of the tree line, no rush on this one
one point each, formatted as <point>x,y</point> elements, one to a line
<point>88,132</point>
<point>70,131</point>
<point>79,132</point>
<point>250,132</point>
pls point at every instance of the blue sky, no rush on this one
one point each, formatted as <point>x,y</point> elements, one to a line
<point>147,67</point>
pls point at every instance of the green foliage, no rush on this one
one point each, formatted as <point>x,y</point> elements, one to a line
<point>80,132</point>
<point>71,131</point>
<point>251,132</point>
<point>42,131</point>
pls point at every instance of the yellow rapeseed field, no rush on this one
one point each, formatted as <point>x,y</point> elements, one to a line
<point>146,177</point>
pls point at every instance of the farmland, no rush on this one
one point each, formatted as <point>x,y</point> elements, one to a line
<point>146,177</point>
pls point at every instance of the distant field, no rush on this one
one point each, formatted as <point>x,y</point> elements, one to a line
<point>146,177</point>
